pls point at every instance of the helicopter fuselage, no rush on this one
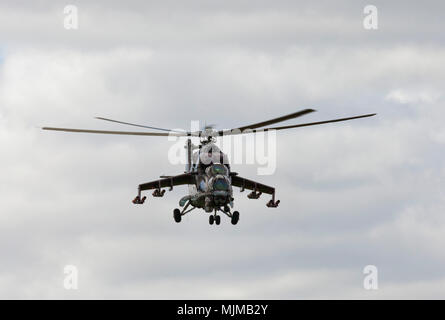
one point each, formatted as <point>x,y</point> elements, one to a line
<point>213,186</point>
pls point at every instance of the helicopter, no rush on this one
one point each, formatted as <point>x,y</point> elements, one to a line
<point>208,173</point>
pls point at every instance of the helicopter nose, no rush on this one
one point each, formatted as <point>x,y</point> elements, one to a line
<point>220,198</point>
<point>221,191</point>
<point>220,184</point>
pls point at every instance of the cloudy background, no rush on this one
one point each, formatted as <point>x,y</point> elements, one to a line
<point>365,192</point>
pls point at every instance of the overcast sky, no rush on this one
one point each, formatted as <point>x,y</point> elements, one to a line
<point>365,192</point>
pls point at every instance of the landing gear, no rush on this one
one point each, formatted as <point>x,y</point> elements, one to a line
<point>177,215</point>
<point>215,219</point>
<point>235,217</point>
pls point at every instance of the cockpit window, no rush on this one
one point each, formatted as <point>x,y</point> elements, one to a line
<point>220,185</point>
<point>219,169</point>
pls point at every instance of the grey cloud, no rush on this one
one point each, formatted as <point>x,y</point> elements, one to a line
<point>357,193</point>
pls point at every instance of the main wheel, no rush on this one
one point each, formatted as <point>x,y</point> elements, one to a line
<point>177,215</point>
<point>211,219</point>
<point>218,220</point>
<point>235,217</point>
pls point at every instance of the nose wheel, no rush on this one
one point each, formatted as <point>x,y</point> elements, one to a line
<point>214,219</point>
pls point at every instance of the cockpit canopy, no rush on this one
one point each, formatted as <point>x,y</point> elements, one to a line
<point>218,169</point>
<point>221,184</point>
<point>209,155</point>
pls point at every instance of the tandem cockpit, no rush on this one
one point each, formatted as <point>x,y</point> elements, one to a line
<point>209,159</point>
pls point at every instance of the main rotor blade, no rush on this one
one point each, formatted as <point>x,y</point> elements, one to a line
<point>135,125</point>
<point>301,124</point>
<point>279,119</point>
<point>131,133</point>
<point>321,122</point>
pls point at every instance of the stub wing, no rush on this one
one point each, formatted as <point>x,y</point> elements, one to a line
<point>157,185</point>
<point>178,180</point>
<point>257,189</point>
<point>244,183</point>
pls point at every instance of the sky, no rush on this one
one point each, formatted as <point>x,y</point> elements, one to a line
<point>353,194</point>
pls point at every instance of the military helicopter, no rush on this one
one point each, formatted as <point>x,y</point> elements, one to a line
<point>208,173</point>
